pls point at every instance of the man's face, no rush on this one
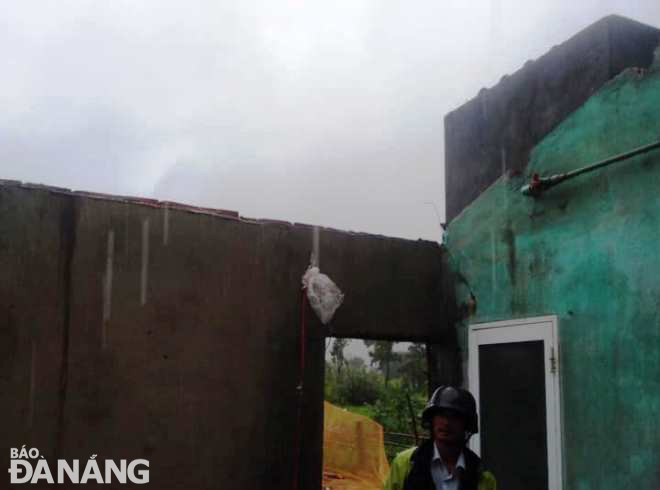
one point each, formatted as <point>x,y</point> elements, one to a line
<point>448,427</point>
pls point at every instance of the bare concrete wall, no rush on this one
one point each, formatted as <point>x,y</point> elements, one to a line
<point>134,330</point>
<point>492,134</point>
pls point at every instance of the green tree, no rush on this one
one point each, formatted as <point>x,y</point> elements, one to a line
<point>357,386</point>
<point>414,367</point>
<point>382,356</point>
<point>337,354</point>
<point>392,410</point>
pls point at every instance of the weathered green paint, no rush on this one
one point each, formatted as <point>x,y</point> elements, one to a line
<point>586,251</point>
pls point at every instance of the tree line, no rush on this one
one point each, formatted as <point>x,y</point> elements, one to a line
<point>390,389</point>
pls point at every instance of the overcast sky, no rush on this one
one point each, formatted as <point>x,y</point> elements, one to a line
<point>323,112</point>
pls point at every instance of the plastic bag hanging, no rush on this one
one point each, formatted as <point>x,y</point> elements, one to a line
<point>323,294</point>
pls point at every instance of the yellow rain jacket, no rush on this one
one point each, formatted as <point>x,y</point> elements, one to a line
<point>411,470</point>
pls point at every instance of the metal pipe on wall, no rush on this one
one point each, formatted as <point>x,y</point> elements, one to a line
<point>539,185</point>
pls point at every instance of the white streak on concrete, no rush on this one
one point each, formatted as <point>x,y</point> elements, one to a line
<point>107,286</point>
<point>316,249</point>
<point>166,224</point>
<point>145,262</point>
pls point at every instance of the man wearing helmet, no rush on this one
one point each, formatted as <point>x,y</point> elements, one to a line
<point>443,462</point>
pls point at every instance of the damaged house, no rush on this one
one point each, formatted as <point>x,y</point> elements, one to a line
<point>133,328</point>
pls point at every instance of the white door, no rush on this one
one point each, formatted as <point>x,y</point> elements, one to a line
<point>514,376</point>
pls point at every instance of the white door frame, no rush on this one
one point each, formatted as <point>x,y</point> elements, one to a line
<point>543,328</point>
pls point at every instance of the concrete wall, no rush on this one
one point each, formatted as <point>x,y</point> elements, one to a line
<point>134,330</point>
<point>493,133</point>
<point>587,252</point>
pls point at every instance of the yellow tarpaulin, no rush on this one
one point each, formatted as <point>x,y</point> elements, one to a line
<point>353,451</point>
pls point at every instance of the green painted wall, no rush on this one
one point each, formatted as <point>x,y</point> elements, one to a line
<point>589,252</point>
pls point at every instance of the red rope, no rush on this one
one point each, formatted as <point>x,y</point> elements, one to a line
<point>296,475</point>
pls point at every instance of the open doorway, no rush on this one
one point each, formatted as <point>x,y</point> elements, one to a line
<point>383,380</point>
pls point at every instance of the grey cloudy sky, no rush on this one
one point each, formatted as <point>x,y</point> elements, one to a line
<point>323,112</point>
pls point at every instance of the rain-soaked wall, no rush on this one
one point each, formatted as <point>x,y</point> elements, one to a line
<point>494,133</point>
<point>143,330</point>
<point>586,251</point>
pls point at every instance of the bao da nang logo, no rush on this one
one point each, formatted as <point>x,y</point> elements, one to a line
<point>28,466</point>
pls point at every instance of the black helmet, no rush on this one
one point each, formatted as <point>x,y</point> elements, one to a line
<point>453,398</point>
